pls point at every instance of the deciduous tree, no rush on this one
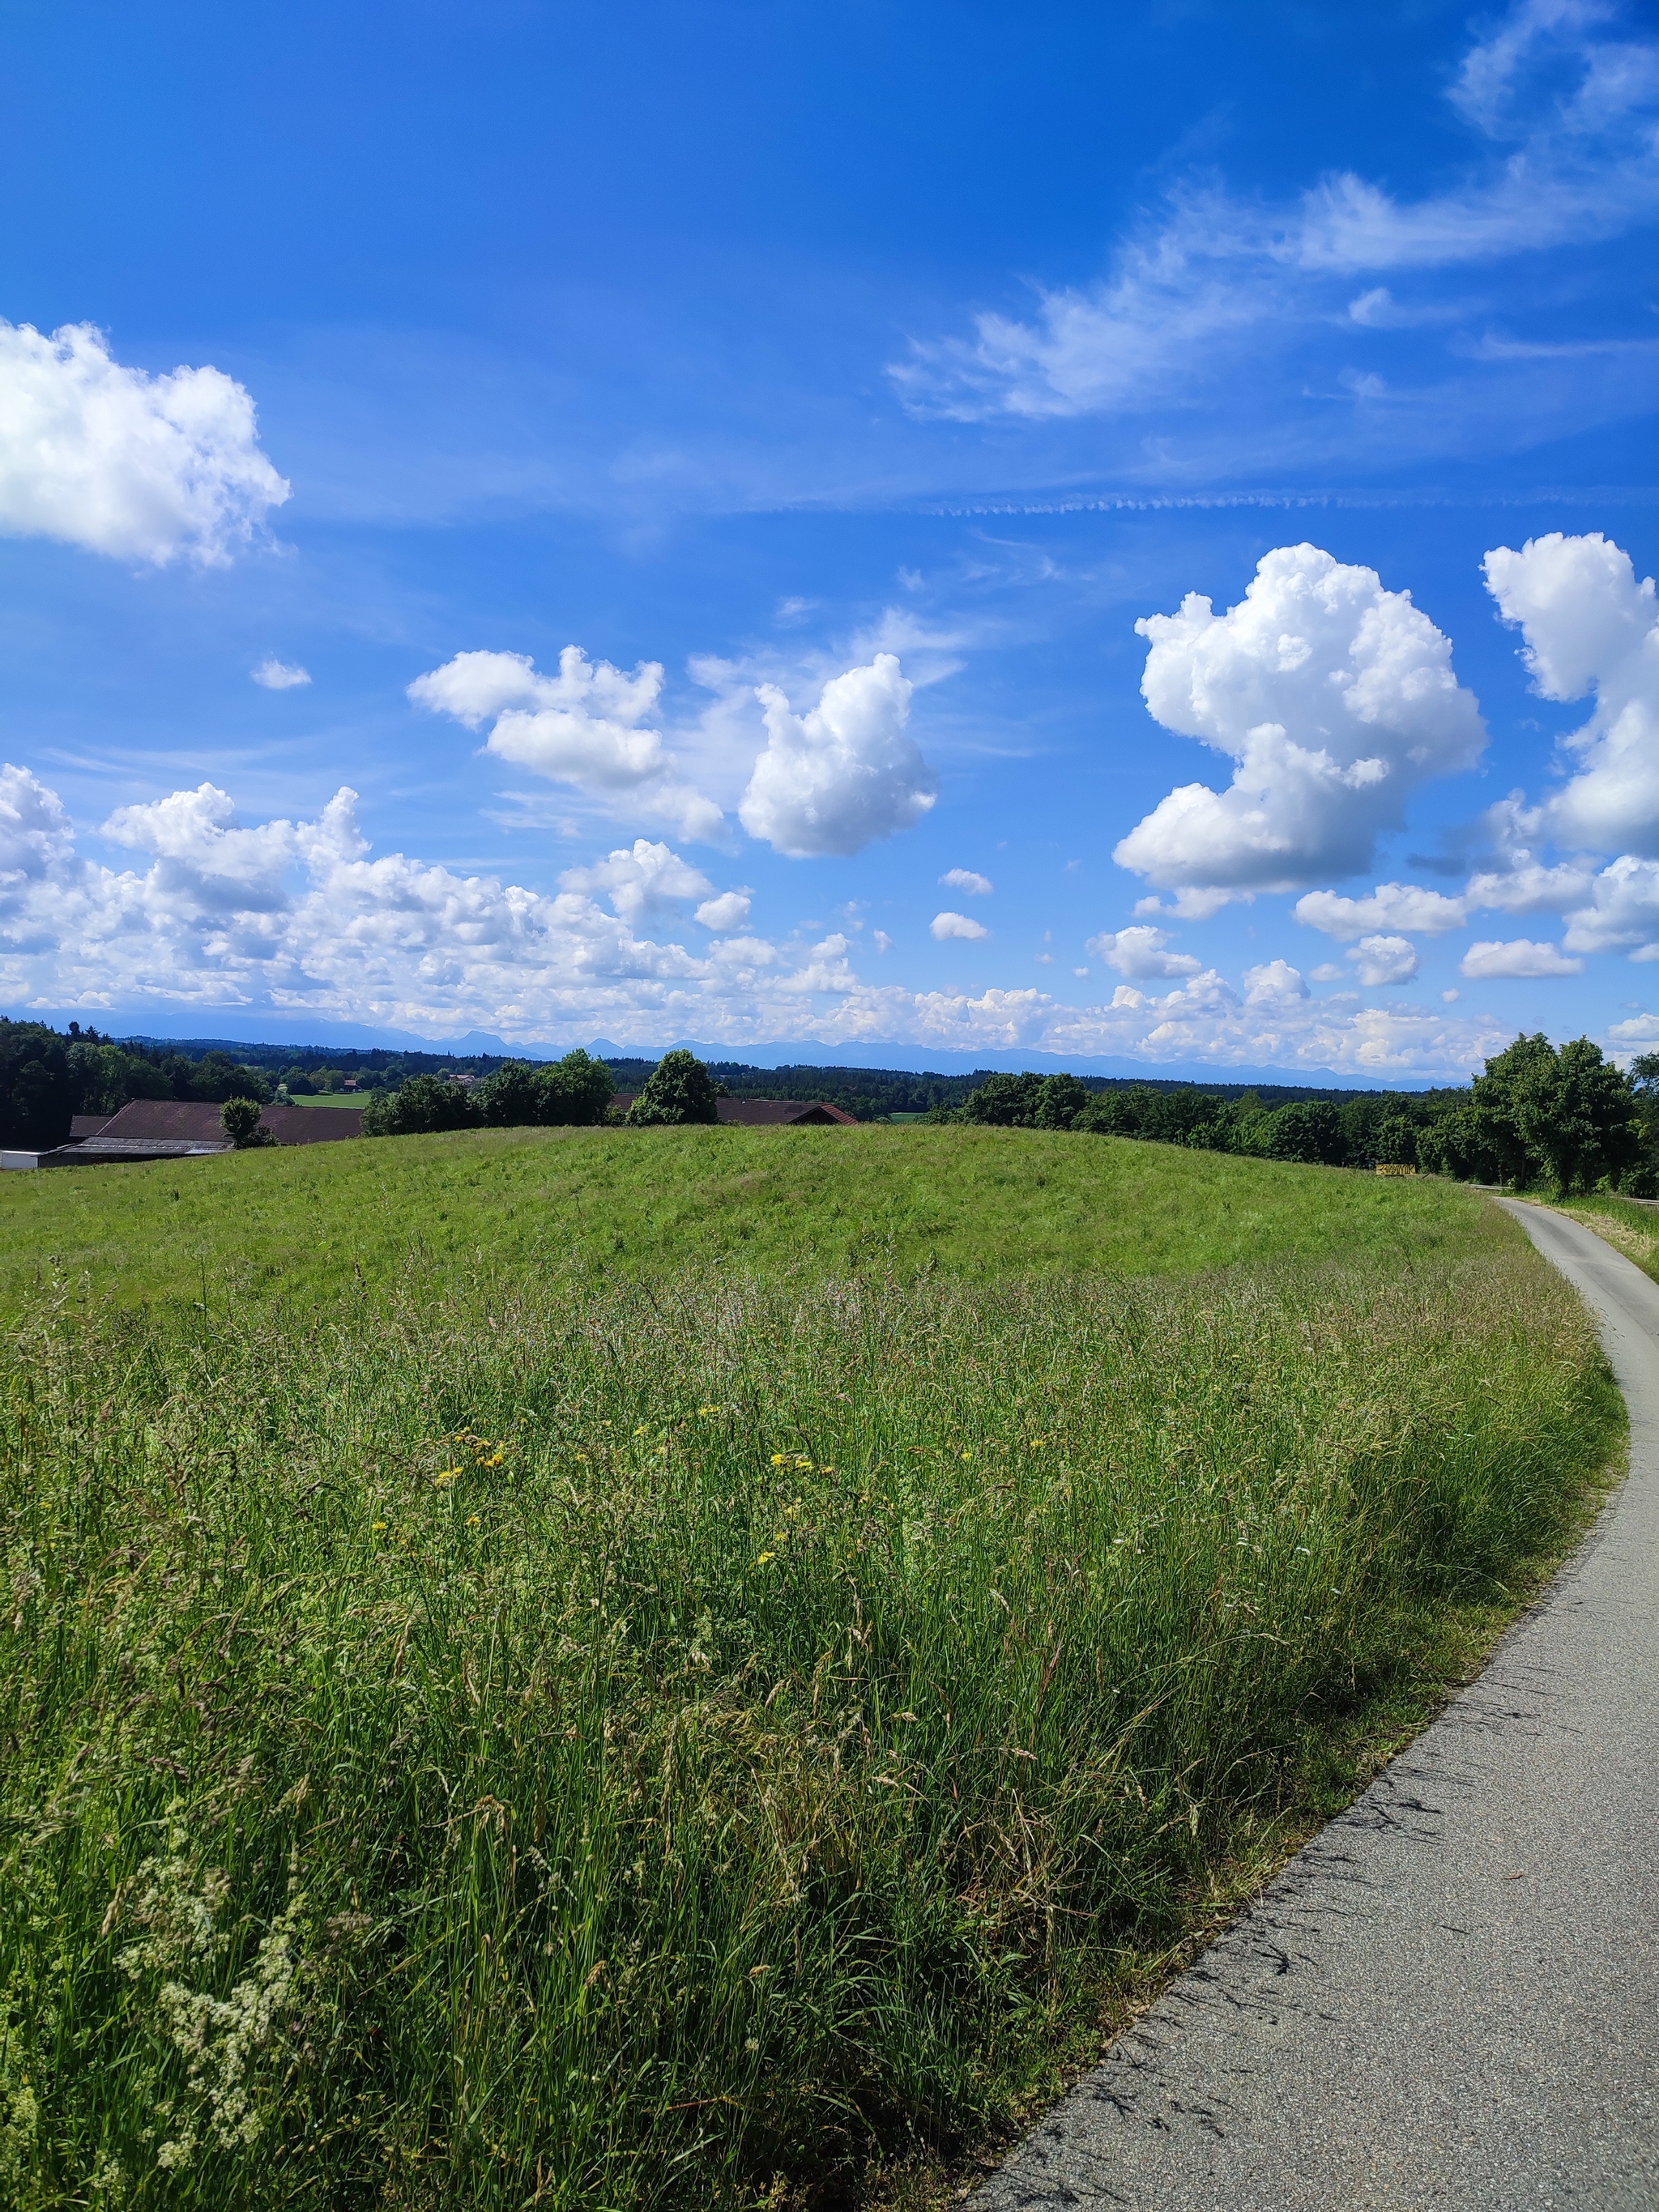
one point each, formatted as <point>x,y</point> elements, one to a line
<point>240,1117</point>
<point>678,1089</point>
<point>424,1106</point>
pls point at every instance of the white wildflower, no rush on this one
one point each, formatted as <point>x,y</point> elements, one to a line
<point>220,2038</point>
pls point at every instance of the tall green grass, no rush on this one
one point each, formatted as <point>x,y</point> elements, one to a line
<point>666,1743</point>
<point>322,1221</point>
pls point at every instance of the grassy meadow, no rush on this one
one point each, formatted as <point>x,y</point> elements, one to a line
<point>543,1723</point>
<point>414,1213</point>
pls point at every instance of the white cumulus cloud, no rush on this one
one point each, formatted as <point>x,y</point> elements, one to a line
<point>1619,912</point>
<point>1142,951</point>
<point>842,776</point>
<point>1384,960</point>
<point>585,726</point>
<point>274,675</point>
<point>1193,902</point>
<point>1590,626</point>
<point>1203,1022</point>
<point>1274,983</point>
<point>948,925</point>
<point>145,468</point>
<point>1521,957</point>
<point>296,915</point>
<point>651,878</point>
<point>1527,886</point>
<point>299,918</point>
<point>36,834</point>
<point>206,860</point>
<point>1390,907</point>
<point>1336,700</point>
<point>968,880</point>
<point>729,910</point>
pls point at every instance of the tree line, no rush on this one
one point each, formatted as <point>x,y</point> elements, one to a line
<point>45,1078</point>
<point>1568,1119</point>
<point>572,1093</point>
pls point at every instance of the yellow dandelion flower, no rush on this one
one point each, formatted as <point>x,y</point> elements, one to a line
<point>777,1459</point>
<point>471,1520</point>
<point>379,1525</point>
<point>764,1557</point>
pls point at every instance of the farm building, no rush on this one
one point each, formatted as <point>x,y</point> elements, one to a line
<point>763,1113</point>
<point>182,1129</point>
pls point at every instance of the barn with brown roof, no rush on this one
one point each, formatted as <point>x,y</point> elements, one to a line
<point>185,1128</point>
<point>765,1113</point>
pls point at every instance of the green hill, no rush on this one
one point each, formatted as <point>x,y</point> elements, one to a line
<point>407,1212</point>
<point>720,1671</point>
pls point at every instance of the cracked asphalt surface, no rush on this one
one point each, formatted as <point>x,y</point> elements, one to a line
<point>1451,1997</point>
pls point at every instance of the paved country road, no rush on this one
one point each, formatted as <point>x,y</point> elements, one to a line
<point>1451,1997</point>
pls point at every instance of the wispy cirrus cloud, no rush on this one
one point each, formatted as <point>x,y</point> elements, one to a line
<point>1561,100</point>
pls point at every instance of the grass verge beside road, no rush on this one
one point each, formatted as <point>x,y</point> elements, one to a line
<point>1631,1228</point>
<point>674,1741</point>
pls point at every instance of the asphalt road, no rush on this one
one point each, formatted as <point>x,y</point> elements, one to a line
<point>1451,1997</point>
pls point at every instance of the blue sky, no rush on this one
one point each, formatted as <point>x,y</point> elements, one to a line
<point>845,384</point>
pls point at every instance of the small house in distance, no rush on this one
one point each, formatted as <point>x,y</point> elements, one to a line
<point>764,1113</point>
